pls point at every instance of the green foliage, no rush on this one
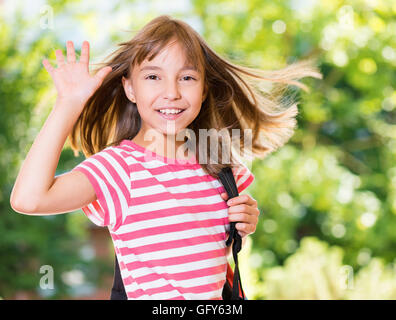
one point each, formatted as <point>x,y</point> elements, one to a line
<point>316,271</point>
<point>313,272</point>
<point>335,179</point>
<point>27,242</point>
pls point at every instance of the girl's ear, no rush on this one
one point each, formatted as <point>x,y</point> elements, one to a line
<point>128,89</point>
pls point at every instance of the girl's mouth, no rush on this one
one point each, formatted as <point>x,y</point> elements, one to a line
<point>170,116</point>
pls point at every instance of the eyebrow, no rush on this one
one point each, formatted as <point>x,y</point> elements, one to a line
<point>159,68</point>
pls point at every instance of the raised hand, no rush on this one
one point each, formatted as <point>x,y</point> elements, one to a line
<point>72,79</point>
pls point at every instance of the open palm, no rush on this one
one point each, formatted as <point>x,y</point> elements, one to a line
<point>72,79</point>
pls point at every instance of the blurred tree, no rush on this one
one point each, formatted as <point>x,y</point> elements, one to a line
<point>316,271</point>
<point>31,242</point>
<point>335,179</point>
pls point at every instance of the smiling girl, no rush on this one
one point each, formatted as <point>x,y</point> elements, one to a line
<point>166,211</point>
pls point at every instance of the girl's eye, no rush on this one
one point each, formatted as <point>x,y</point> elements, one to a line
<point>153,75</point>
<point>189,77</point>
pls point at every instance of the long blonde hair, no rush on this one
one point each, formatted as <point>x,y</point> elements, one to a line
<point>235,97</point>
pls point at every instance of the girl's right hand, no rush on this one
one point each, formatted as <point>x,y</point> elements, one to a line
<point>72,79</point>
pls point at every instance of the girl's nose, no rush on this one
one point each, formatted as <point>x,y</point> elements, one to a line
<point>172,90</point>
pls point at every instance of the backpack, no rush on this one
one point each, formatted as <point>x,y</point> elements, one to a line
<point>232,289</point>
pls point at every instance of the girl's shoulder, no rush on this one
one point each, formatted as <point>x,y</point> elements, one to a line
<point>243,176</point>
<point>121,151</point>
<point>112,160</point>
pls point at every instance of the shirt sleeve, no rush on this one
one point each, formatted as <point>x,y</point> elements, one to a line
<point>109,175</point>
<point>243,177</point>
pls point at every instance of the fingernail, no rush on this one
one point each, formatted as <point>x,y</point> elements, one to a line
<point>229,201</point>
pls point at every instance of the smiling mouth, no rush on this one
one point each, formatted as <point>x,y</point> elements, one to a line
<point>170,116</point>
<point>181,110</point>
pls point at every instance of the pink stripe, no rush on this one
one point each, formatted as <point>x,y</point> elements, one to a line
<point>123,185</point>
<point>221,189</point>
<point>180,276</point>
<point>173,244</point>
<point>172,261</point>
<point>118,180</point>
<point>88,212</point>
<point>197,289</point>
<point>163,196</point>
<point>177,298</point>
<point>172,228</point>
<point>174,211</point>
<point>244,185</point>
<point>113,195</point>
<point>102,210</point>
<point>175,182</point>
<point>147,157</point>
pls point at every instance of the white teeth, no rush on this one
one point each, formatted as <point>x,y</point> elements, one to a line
<point>170,111</point>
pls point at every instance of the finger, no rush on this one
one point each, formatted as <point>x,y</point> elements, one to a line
<point>71,55</point>
<point>245,228</point>
<point>59,57</point>
<point>84,58</point>
<point>244,218</point>
<point>47,65</point>
<point>245,198</point>
<point>224,195</point>
<point>243,208</point>
<point>242,234</point>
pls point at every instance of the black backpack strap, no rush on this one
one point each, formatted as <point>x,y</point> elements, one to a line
<point>227,179</point>
<point>118,290</point>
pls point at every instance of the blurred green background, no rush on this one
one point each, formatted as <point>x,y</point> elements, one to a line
<point>327,227</point>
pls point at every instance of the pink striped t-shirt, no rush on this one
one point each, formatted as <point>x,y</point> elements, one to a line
<point>166,218</point>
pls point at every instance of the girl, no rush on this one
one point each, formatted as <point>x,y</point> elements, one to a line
<point>166,212</point>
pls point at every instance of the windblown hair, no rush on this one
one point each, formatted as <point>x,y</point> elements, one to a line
<point>235,98</point>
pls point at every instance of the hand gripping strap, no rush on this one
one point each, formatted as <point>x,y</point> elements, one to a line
<point>227,179</point>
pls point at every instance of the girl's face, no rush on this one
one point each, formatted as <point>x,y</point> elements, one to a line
<point>165,82</point>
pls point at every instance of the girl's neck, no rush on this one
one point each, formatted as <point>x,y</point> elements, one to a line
<point>166,147</point>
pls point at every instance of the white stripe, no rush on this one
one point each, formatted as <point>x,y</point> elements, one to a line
<point>168,175</point>
<point>94,216</point>
<point>206,295</point>
<point>206,280</point>
<point>159,296</point>
<point>125,177</point>
<point>176,235</point>
<point>188,296</point>
<point>171,203</point>
<point>242,175</point>
<point>180,252</point>
<point>151,161</point>
<point>169,220</point>
<point>191,266</point>
<point>182,188</point>
<point>105,192</point>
